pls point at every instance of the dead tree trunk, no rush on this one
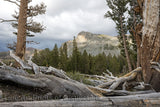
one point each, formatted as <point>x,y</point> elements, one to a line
<point>21,36</point>
<point>150,46</point>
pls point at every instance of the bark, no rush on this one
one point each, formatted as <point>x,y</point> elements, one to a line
<point>57,86</point>
<point>150,45</point>
<point>21,36</point>
<point>21,62</point>
<point>1,94</point>
<point>107,92</point>
<point>140,100</point>
<point>113,84</point>
<point>35,67</point>
<point>125,48</point>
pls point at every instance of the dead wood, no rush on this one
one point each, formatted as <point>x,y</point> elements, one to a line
<point>56,85</point>
<point>115,83</point>
<point>60,84</point>
<point>35,67</point>
<point>140,100</point>
<point>23,64</point>
<point>107,92</point>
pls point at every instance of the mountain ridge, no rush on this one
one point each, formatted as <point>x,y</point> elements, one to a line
<point>95,44</point>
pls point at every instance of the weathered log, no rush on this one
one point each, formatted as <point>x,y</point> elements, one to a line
<point>31,65</point>
<point>110,76</point>
<point>12,68</point>
<point>57,72</point>
<point>142,100</point>
<point>96,82</point>
<point>94,76</point>
<point>36,68</point>
<point>56,85</point>
<point>22,63</point>
<point>107,92</point>
<point>1,94</point>
<point>115,83</point>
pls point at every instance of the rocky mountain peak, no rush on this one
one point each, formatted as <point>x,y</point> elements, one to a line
<point>95,43</point>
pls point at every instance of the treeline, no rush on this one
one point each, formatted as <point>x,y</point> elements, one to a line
<point>79,62</point>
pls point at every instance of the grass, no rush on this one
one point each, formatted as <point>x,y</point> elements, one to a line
<point>76,76</point>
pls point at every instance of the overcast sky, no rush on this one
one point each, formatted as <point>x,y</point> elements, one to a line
<point>63,20</point>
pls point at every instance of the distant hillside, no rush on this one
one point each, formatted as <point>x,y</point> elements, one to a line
<point>95,43</point>
<point>4,55</point>
<point>29,52</point>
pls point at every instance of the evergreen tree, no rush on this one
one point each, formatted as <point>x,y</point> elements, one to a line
<point>55,57</point>
<point>100,64</point>
<point>75,59</point>
<point>63,59</point>
<point>134,20</point>
<point>65,50</point>
<point>85,62</point>
<point>91,64</point>
<point>117,14</point>
<point>25,24</point>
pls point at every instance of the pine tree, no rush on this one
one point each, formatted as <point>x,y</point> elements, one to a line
<point>100,64</point>
<point>85,62</point>
<point>134,21</point>
<point>75,56</point>
<point>63,59</point>
<point>65,50</point>
<point>117,14</point>
<point>55,56</point>
<point>25,24</point>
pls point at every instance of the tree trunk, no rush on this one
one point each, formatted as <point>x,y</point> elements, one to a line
<point>125,48</point>
<point>150,45</point>
<point>21,36</point>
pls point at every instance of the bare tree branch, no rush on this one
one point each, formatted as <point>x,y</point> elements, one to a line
<point>3,20</point>
<point>22,63</point>
<point>32,42</point>
<point>14,2</point>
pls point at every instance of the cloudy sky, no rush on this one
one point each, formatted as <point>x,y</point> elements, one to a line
<point>63,20</point>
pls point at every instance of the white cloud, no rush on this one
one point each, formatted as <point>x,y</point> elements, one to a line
<point>64,19</point>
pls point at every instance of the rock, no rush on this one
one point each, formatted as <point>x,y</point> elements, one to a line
<point>95,44</point>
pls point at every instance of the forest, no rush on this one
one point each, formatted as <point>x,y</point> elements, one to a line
<point>129,79</point>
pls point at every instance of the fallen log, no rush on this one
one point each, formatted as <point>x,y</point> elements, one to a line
<point>22,63</point>
<point>56,72</point>
<point>142,100</point>
<point>94,76</point>
<point>39,69</point>
<point>107,92</point>
<point>35,67</point>
<point>57,86</point>
<point>60,84</point>
<point>1,94</point>
<point>115,83</point>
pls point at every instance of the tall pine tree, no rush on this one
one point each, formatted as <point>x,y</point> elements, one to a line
<point>75,56</point>
<point>117,14</point>
<point>55,56</point>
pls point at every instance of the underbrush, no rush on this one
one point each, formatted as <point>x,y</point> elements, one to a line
<point>78,77</point>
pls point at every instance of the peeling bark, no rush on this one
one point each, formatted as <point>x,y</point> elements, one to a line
<point>150,45</point>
